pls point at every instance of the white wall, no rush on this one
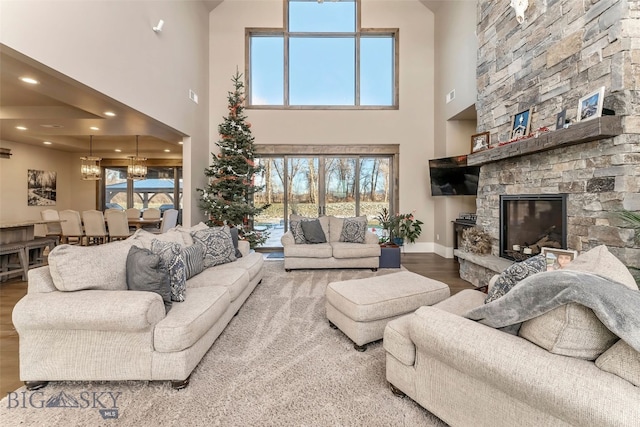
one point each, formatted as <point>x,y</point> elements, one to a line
<point>411,126</point>
<point>110,46</point>
<point>456,52</point>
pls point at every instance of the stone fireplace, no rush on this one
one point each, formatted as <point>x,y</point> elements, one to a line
<point>564,50</point>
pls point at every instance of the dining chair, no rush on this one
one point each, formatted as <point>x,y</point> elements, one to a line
<point>112,210</point>
<point>169,220</point>
<point>117,224</point>
<point>94,227</point>
<point>71,226</point>
<point>133,213</point>
<point>151,213</point>
<point>52,229</point>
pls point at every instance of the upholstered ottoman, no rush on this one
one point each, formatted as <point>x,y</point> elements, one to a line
<point>361,308</point>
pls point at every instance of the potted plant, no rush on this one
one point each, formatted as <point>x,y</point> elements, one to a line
<point>405,227</point>
<point>384,219</point>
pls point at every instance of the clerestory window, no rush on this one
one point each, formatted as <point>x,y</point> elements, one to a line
<point>322,58</point>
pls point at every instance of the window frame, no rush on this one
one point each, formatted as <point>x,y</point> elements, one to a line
<point>360,32</point>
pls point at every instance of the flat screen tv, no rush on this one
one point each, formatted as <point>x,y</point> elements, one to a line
<point>451,176</point>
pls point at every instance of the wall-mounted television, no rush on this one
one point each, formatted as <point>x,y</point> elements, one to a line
<point>451,176</point>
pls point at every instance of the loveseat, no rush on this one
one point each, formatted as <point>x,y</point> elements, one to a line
<point>350,246</point>
<point>467,373</point>
<point>79,320</point>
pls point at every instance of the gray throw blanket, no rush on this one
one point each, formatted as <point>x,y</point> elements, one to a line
<point>617,306</point>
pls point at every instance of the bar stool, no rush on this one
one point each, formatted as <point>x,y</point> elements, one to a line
<point>7,250</point>
<point>36,251</point>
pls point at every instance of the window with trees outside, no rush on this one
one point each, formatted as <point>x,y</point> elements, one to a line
<point>322,58</point>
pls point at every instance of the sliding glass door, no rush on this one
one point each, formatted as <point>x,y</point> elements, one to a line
<point>342,186</point>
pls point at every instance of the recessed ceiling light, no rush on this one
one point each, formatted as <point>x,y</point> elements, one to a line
<point>180,142</point>
<point>167,150</point>
<point>47,142</point>
<point>117,150</point>
<point>94,128</point>
<point>21,128</point>
<point>29,80</point>
<point>109,113</point>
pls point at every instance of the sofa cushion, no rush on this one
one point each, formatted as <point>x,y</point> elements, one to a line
<point>171,256</point>
<point>218,245</point>
<point>312,231</point>
<point>320,250</point>
<point>621,360</point>
<point>234,279</point>
<point>572,329</point>
<point>335,228</point>
<point>193,257</point>
<point>353,229</point>
<point>185,232</point>
<point>514,274</point>
<point>146,273</point>
<point>252,263</point>
<point>142,238</point>
<point>74,268</point>
<point>355,250</point>
<point>186,323</point>
<point>463,301</point>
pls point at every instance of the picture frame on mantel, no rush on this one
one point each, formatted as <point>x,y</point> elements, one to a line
<point>590,105</point>
<point>480,141</point>
<point>521,124</point>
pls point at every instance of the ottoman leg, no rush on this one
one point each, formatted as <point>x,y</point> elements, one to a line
<point>332,326</point>
<point>360,348</point>
<point>395,390</point>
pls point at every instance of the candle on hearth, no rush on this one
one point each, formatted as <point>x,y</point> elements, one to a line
<point>516,248</point>
<point>527,251</point>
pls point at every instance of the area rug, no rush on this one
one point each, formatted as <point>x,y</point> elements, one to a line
<point>278,363</point>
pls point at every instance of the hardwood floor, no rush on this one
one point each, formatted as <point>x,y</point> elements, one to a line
<point>428,265</point>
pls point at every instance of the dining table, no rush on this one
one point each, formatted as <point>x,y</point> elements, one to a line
<point>143,222</point>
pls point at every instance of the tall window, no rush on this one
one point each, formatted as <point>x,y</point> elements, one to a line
<point>322,58</point>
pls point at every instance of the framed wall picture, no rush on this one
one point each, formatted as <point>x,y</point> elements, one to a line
<point>41,187</point>
<point>560,118</point>
<point>480,141</point>
<point>558,258</point>
<point>521,124</point>
<point>590,105</point>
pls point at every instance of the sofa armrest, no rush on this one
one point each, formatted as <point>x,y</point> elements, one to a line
<point>371,238</point>
<point>88,310</point>
<point>244,247</point>
<point>287,239</point>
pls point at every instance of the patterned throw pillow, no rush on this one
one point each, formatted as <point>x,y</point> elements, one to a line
<point>353,230</point>
<point>295,225</point>
<point>514,274</point>
<point>171,256</point>
<point>193,257</point>
<point>218,245</point>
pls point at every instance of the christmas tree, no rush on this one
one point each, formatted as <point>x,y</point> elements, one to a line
<point>228,198</point>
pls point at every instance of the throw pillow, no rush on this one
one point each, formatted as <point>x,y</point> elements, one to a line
<point>514,274</point>
<point>218,245</point>
<point>621,360</point>
<point>295,225</point>
<point>234,239</point>
<point>146,273</point>
<point>312,231</point>
<point>171,256</point>
<point>354,229</point>
<point>193,257</point>
<point>572,329</point>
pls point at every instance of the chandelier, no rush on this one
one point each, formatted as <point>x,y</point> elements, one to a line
<point>90,168</point>
<point>137,168</point>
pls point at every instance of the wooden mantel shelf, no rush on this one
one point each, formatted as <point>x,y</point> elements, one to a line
<point>578,133</point>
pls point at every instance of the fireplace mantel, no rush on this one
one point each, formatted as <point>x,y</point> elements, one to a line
<point>578,133</point>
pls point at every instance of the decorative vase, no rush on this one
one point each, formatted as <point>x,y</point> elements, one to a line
<point>398,241</point>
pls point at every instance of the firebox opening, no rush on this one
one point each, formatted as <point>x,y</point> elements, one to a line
<point>531,222</point>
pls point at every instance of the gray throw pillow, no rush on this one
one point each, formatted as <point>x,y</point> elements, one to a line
<point>171,257</point>
<point>218,245</point>
<point>145,272</point>
<point>514,274</point>
<point>234,239</point>
<point>313,232</point>
<point>193,257</point>
<point>354,229</point>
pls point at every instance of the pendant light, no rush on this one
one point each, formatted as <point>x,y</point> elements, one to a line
<point>137,168</point>
<point>90,168</point>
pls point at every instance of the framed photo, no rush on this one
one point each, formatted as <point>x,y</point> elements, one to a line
<point>521,124</point>
<point>558,258</point>
<point>41,187</point>
<point>590,105</point>
<point>480,141</point>
<point>560,118</point>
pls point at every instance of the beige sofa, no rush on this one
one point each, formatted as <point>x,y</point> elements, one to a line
<point>467,373</point>
<point>120,334</point>
<point>334,253</point>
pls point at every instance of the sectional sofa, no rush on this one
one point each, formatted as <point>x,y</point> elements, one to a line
<point>79,321</point>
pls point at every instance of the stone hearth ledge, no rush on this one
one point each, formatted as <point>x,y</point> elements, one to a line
<point>479,269</point>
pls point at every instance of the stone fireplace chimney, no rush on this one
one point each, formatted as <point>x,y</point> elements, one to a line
<point>561,52</point>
